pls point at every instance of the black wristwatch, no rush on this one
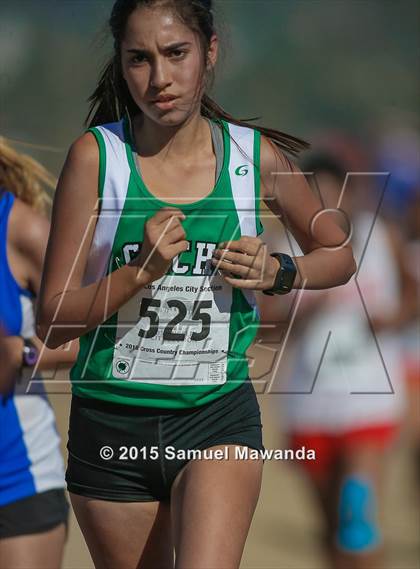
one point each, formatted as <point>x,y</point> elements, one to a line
<point>285,275</point>
<point>30,353</point>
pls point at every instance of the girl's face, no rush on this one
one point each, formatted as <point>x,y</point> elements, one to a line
<point>160,56</point>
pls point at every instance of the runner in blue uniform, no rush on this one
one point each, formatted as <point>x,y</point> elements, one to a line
<point>33,507</point>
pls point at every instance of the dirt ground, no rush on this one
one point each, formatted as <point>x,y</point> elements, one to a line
<point>285,533</point>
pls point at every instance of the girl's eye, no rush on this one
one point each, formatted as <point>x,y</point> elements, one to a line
<point>178,53</point>
<point>137,58</point>
<point>140,58</point>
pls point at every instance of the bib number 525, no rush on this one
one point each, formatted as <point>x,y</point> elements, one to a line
<point>149,308</point>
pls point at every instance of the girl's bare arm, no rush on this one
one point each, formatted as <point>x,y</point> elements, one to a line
<point>328,260</point>
<point>29,237</point>
<point>66,309</point>
<point>11,359</point>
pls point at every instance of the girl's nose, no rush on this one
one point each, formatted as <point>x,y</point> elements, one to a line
<point>159,76</point>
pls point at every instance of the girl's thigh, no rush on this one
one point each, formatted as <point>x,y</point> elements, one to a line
<point>36,551</point>
<point>126,535</point>
<point>212,503</point>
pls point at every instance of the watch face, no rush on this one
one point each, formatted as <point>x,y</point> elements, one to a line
<point>286,275</point>
<point>30,356</point>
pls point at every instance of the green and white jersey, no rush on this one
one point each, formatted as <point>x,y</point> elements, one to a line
<point>181,341</point>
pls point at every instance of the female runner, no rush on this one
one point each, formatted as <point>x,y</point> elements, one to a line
<point>33,507</point>
<point>164,315</point>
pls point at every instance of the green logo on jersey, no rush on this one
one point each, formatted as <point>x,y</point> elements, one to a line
<point>241,170</point>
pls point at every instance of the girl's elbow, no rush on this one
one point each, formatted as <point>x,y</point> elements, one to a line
<point>41,333</point>
<point>44,332</point>
<point>351,265</point>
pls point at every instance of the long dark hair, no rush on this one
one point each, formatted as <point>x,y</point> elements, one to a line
<point>111,99</point>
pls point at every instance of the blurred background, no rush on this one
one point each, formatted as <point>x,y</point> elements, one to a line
<point>343,75</point>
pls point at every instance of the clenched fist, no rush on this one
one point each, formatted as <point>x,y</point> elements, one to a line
<point>164,239</point>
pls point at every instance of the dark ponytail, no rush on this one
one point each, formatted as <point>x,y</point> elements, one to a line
<point>111,99</point>
<point>286,142</point>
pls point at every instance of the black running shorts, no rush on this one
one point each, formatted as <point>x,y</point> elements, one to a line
<point>133,454</point>
<point>37,514</point>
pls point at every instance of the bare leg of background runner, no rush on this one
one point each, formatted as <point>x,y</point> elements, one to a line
<point>129,535</point>
<point>327,490</point>
<point>212,504</point>
<point>38,551</point>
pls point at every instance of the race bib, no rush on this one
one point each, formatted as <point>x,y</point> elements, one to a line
<point>175,331</point>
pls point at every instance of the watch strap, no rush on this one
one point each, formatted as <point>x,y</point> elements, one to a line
<point>285,276</point>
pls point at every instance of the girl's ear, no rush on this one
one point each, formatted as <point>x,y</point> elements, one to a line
<point>212,52</point>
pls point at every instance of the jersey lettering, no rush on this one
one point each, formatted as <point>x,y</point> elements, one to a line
<point>200,266</point>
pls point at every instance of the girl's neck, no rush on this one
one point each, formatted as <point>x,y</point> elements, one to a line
<point>179,142</point>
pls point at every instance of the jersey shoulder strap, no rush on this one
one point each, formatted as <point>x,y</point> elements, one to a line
<point>114,178</point>
<point>113,162</point>
<point>244,173</point>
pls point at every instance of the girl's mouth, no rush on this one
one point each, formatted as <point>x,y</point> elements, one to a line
<point>165,105</point>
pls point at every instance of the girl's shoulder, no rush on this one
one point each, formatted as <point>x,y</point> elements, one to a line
<point>83,151</point>
<point>27,236</point>
<point>272,160</point>
<point>27,227</point>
